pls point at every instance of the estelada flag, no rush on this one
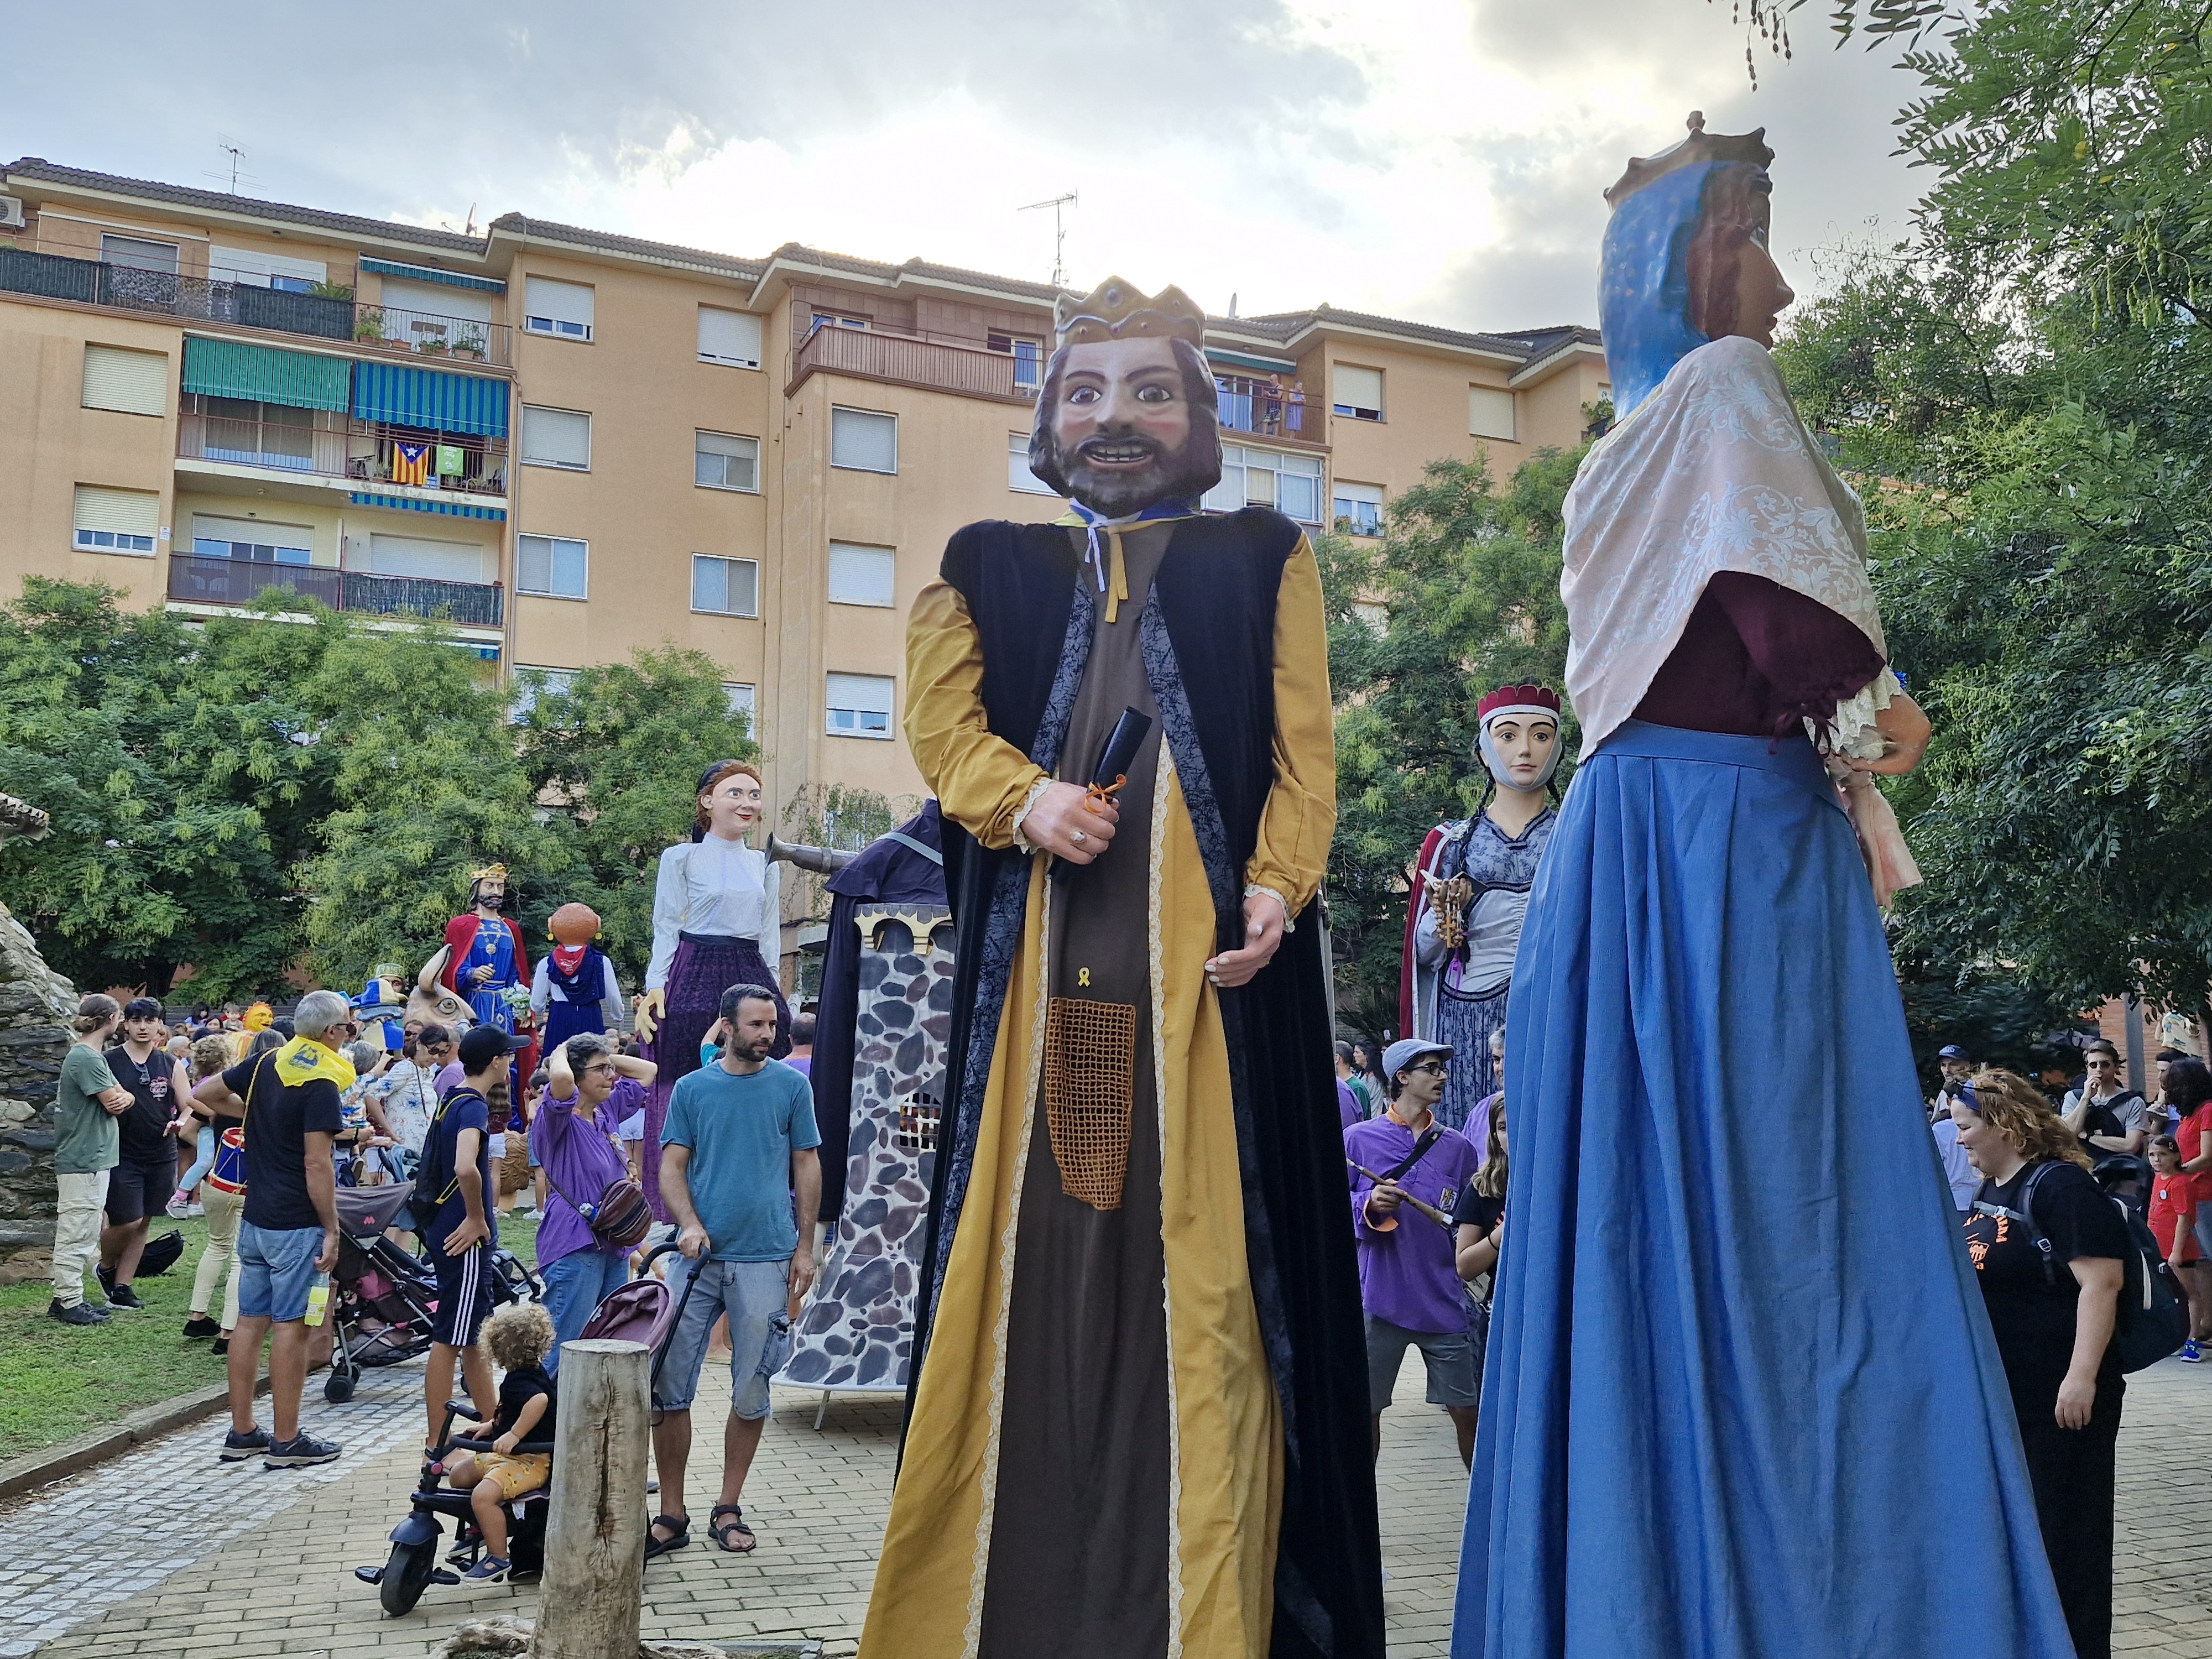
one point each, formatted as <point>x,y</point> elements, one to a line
<point>410,464</point>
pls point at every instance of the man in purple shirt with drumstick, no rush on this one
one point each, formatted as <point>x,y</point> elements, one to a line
<point>590,1090</point>
<point>1408,1282</point>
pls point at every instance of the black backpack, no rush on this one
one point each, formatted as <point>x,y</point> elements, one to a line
<point>2151,1322</point>
<point>434,1179</point>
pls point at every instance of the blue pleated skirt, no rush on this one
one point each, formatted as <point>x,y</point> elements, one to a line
<point>1741,1400</point>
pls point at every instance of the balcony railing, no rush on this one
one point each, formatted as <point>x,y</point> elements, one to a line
<point>238,581</point>
<point>247,305</point>
<point>934,365</point>
<point>1263,408</point>
<point>342,449</point>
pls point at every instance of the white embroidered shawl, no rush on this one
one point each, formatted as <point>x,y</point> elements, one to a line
<point>1715,472</point>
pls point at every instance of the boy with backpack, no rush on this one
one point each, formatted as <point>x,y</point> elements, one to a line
<point>2173,1223</point>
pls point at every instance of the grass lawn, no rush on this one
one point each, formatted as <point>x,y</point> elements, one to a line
<point>57,1381</point>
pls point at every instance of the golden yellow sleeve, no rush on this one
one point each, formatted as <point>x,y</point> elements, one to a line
<point>1300,816</point>
<point>978,778</point>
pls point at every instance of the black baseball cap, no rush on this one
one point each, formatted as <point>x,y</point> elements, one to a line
<point>482,1044</point>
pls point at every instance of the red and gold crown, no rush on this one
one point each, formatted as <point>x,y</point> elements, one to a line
<point>1117,309</point>
<point>1517,700</point>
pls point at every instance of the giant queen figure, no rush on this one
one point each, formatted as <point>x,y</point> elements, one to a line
<point>1741,1400</point>
<point>1138,1424</point>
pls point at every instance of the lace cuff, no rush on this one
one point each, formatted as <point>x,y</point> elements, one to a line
<point>1852,733</point>
<point>1290,922</point>
<point>1035,795</point>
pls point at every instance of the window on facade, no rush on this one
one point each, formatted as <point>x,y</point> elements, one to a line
<point>553,566</point>
<point>1358,508</point>
<point>135,254</point>
<point>1359,392</point>
<point>823,319</point>
<point>116,520</point>
<point>1019,476</point>
<point>129,382</point>
<point>725,587</point>
<point>724,462</point>
<point>860,705</point>
<point>426,557</point>
<point>863,575</point>
<point>1267,478</point>
<point>563,310</point>
<point>729,338</point>
<point>247,432</point>
<point>1029,358</point>
<point>861,441</point>
<point>531,683</point>
<point>557,437</point>
<point>253,540</point>
<point>1490,413</point>
<point>277,271</point>
<point>742,699</point>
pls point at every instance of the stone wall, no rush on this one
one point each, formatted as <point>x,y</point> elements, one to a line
<point>35,1005</point>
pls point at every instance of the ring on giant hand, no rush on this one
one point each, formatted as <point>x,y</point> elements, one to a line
<point>1077,836</point>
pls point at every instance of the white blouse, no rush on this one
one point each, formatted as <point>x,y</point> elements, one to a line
<point>712,886</point>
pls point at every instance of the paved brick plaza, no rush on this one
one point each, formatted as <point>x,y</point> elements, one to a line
<point>167,1552</point>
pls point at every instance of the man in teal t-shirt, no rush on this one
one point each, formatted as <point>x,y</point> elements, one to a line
<point>737,1158</point>
<point>86,1148</point>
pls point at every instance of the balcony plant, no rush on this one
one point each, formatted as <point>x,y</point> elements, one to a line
<point>368,326</point>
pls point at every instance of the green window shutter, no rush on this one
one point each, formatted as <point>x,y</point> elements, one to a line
<point>297,379</point>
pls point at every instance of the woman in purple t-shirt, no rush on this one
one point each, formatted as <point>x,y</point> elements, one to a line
<point>593,1089</point>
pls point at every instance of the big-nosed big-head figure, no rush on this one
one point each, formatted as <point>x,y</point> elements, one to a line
<point>1128,417</point>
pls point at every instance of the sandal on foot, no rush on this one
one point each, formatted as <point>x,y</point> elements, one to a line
<point>679,1531</point>
<point>722,1530</point>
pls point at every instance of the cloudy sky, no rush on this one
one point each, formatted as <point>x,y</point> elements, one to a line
<point>1439,159</point>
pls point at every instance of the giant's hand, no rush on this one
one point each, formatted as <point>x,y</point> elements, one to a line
<point>1065,824</point>
<point>646,1012</point>
<point>1907,730</point>
<point>1263,931</point>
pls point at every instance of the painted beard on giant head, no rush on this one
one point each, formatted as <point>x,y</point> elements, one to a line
<point>1124,423</point>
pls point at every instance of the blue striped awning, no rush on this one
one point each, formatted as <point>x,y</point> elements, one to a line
<point>432,274</point>
<point>447,509</point>
<point>429,399</point>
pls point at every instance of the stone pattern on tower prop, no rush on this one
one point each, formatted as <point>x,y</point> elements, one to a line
<point>34,1003</point>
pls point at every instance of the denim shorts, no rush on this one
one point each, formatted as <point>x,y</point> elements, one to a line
<point>275,1267</point>
<point>752,1293</point>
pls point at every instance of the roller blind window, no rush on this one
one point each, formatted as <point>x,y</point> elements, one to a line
<point>725,587</point>
<point>1490,413</point>
<point>863,575</point>
<point>552,565</point>
<point>557,437</point>
<point>860,705</point>
<point>255,540</point>
<point>724,462</point>
<point>1359,392</point>
<point>861,441</point>
<point>117,521</point>
<point>730,337</point>
<point>129,382</point>
<point>563,310</point>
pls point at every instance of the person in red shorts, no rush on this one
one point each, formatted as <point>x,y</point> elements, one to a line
<point>2174,1222</point>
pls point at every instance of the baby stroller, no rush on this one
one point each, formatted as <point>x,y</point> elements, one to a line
<point>384,1296</point>
<point>641,1311</point>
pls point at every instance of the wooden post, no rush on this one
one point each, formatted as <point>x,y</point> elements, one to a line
<point>595,1535</point>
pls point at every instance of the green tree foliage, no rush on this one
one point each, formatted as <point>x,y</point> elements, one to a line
<point>618,750</point>
<point>1462,595</point>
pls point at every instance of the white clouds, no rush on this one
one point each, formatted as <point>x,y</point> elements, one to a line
<point>1437,159</point>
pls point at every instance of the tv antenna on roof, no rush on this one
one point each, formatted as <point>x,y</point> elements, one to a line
<point>237,154</point>
<point>1058,233</point>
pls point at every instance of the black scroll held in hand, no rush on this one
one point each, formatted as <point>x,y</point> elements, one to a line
<point>1115,761</point>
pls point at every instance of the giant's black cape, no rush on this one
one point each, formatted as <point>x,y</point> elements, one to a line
<point>887,870</point>
<point>1208,640</point>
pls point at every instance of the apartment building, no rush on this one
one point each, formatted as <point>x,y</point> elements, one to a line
<point>571,443</point>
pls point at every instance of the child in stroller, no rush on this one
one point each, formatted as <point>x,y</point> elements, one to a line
<point>519,1337</point>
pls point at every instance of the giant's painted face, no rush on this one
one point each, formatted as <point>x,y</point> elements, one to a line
<point>1126,423</point>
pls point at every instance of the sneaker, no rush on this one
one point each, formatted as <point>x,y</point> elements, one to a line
<point>237,1447</point>
<point>299,1453</point>
<point>220,1346</point>
<point>199,1328</point>
<point>2190,1354</point>
<point>195,1209</point>
<point>77,1314</point>
<point>122,1296</point>
<point>177,1207</point>
<point>489,1571</point>
<point>106,1277</point>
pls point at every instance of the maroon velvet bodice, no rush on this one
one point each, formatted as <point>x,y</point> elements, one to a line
<point>1755,659</point>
